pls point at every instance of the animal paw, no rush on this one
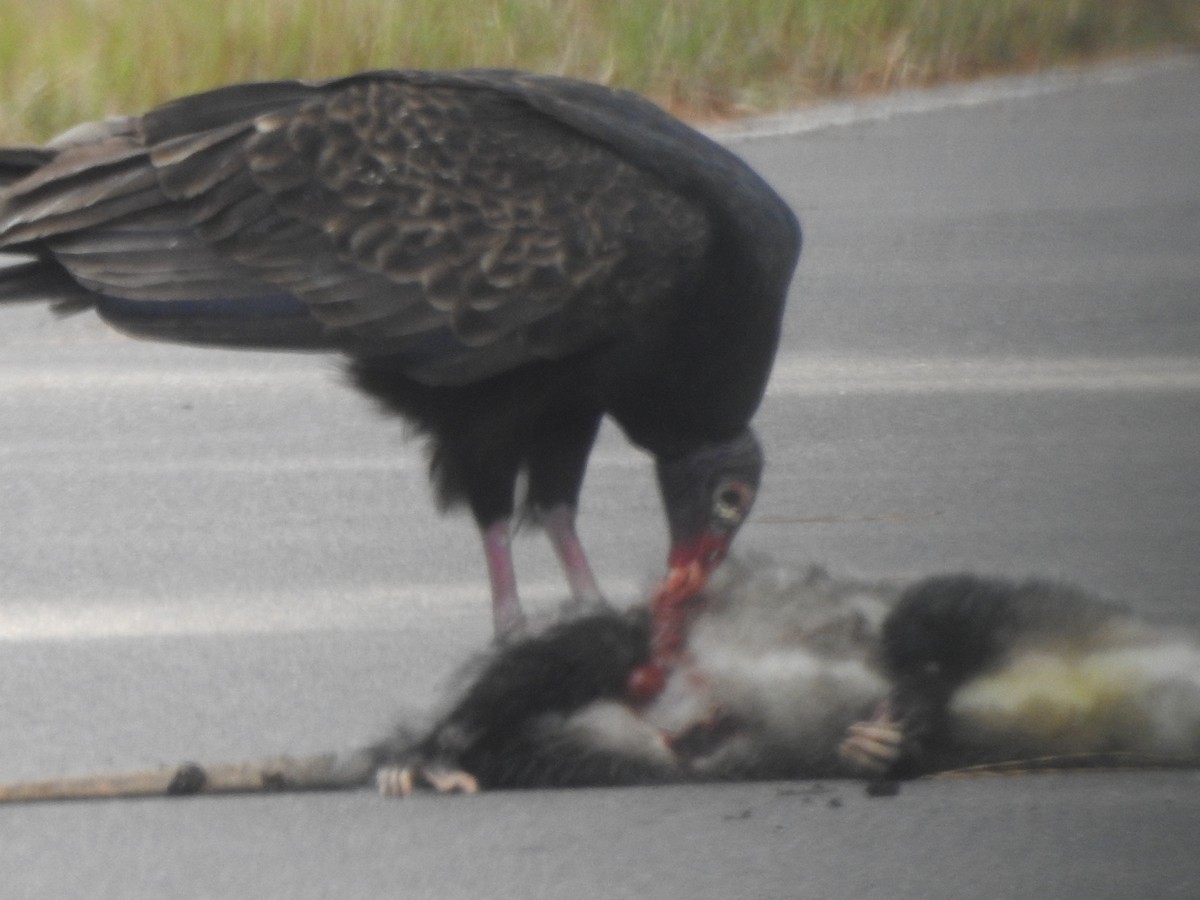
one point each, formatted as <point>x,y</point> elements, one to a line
<point>400,781</point>
<point>874,745</point>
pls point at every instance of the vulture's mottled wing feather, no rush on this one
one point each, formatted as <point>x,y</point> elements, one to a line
<point>82,188</point>
<point>452,222</point>
<point>449,225</point>
<point>221,106</point>
<point>17,162</point>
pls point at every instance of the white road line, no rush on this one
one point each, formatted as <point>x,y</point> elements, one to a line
<point>131,458</point>
<point>66,459</point>
<point>794,375</point>
<point>377,608</point>
<point>797,376</point>
<point>116,377</point>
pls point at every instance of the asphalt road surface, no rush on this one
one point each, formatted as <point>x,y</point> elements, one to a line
<point>991,361</point>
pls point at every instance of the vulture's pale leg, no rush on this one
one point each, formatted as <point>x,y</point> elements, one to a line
<point>507,617</point>
<point>559,522</point>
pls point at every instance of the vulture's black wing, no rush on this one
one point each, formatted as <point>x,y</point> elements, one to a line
<point>462,223</point>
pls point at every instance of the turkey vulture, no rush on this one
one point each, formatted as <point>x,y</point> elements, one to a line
<point>505,258</point>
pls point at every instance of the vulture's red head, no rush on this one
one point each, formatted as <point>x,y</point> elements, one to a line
<point>707,494</point>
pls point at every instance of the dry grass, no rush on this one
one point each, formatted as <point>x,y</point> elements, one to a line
<point>62,61</point>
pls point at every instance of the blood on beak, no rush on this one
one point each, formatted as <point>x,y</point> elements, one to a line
<point>690,565</point>
<point>681,583</point>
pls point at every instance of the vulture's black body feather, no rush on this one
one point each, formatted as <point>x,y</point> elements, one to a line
<point>506,257</point>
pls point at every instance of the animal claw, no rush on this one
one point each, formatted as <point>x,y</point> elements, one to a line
<point>874,745</point>
<point>401,781</point>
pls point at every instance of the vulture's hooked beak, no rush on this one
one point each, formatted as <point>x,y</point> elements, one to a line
<point>689,566</point>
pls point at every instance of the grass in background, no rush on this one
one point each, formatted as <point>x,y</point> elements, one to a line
<point>64,61</point>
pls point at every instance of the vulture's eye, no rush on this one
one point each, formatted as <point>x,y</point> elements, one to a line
<point>731,502</point>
